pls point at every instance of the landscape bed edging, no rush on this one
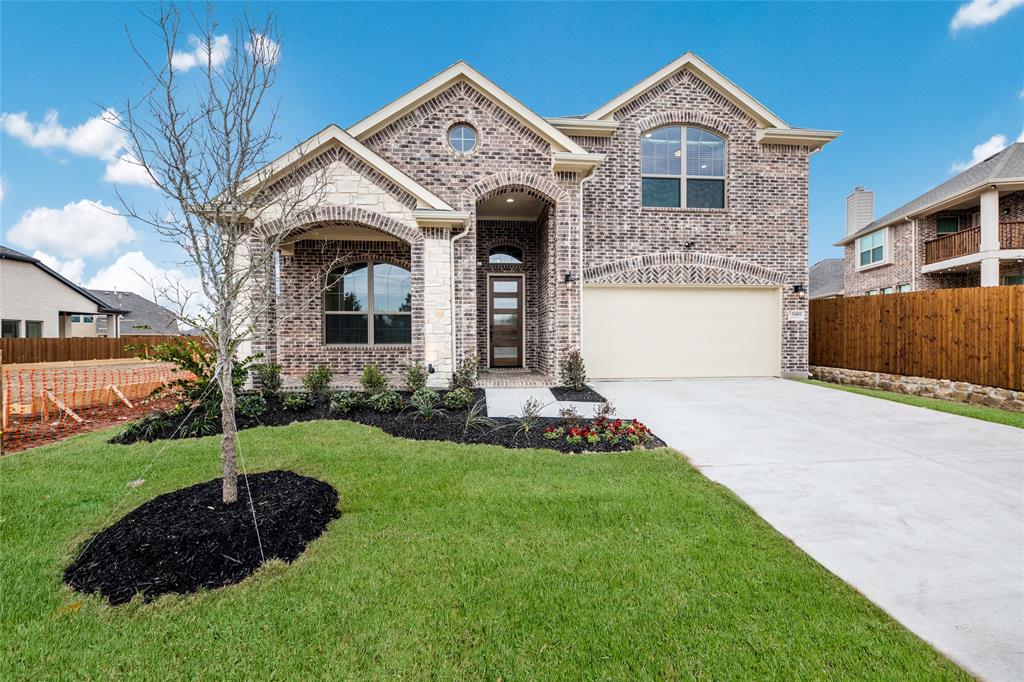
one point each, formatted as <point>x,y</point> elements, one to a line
<point>943,389</point>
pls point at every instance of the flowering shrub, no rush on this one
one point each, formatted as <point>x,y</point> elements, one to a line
<point>554,432</point>
<point>612,431</point>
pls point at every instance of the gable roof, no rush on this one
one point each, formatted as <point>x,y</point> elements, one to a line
<point>334,135</point>
<point>141,316</point>
<point>825,278</point>
<point>11,254</point>
<point>462,71</point>
<point>706,73</point>
<point>1006,166</point>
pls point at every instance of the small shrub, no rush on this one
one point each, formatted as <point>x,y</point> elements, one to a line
<point>569,415</point>
<point>605,410</point>
<point>466,374</point>
<point>251,405</point>
<point>385,401</point>
<point>373,380</point>
<point>415,377</point>
<point>317,381</point>
<point>477,419</point>
<point>297,402</point>
<point>154,425</point>
<point>269,377</point>
<point>345,402</point>
<point>573,371</point>
<point>426,403</point>
<point>458,398</point>
<point>529,415</point>
<point>425,396</point>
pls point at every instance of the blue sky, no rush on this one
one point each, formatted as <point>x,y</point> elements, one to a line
<point>913,95</point>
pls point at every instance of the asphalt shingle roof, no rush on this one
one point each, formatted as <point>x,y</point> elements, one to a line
<point>141,316</point>
<point>826,278</point>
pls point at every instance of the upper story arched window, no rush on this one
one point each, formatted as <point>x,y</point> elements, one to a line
<point>682,166</point>
<point>368,303</point>
<point>505,255</point>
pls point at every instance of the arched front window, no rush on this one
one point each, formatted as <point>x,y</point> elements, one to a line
<point>676,174</point>
<point>505,255</point>
<point>368,303</point>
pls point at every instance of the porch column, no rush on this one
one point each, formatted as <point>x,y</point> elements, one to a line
<point>989,237</point>
<point>437,305</point>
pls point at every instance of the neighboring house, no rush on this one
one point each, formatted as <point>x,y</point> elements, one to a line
<point>826,279</point>
<point>967,232</point>
<point>665,233</point>
<point>140,315</point>
<point>36,301</point>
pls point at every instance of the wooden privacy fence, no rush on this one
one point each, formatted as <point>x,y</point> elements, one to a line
<point>62,350</point>
<point>974,335</point>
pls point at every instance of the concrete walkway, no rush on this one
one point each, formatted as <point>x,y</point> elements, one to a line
<point>921,511</point>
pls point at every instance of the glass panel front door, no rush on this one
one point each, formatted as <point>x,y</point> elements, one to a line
<point>505,324</point>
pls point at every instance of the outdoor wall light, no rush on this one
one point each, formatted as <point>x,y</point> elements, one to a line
<point>569,279</point>
<point>799,288</point>
<point>689,244</point>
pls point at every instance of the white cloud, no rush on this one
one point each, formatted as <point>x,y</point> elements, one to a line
<point>1020,138</point>
<point>992,145</point>
<point>264,49</point>
<point>132,271</point>
<point>82,229</point>
<point>99,137</point>
<point>3,189</point>
<point>219,52</point>
<point>127,170</point>
<point>72,268</point>
<point>980,12</point>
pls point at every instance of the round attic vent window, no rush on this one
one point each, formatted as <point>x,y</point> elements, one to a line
<point>462,138</point>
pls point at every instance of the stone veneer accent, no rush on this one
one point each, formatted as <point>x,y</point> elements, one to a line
<point>908,254</point>
<point>959,391</point>
<point>760,237</point>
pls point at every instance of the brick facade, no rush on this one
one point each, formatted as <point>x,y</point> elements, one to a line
<point>908,254</point>
<point>758,239</point>
<point>764,223</point>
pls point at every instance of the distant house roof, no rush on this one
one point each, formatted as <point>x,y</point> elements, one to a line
<point>11,254</point>
<point>1006,166</point>
<point>826,278</point>
<point>141,316</point>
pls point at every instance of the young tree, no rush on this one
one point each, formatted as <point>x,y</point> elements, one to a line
<point>203,133</point>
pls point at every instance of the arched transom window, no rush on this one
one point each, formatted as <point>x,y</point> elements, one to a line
<point>368,303</point>
<point>676,174</point>
<point>505,255</point>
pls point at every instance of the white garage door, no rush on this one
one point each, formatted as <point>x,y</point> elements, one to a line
<point>670,331</point>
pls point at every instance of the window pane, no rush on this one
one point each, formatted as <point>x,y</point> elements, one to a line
<point>392,289</point>
<point>76,318</point>
<point>506,352</point>
<point>505,303</point>
<point>506,286</point>
<point>33,330</point>
<point>346,329</point>
<point>660,151</point>
<point>705,193</point>
<point>660,192</point>
<point>865,257</point>
<point>947,224</point>
<point>87,319</point>
<point>876,255</point>
<point>705,153</point>
<point>506,255</point>
<point>347,289</point>
<point>392,329</point>
<point>462,138</point>
<point>876,238</point>
<point>505,319</point>
<point>10,329</point>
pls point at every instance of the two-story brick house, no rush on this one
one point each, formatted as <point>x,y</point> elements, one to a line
<point>966,232</point>
<point>664,233</point>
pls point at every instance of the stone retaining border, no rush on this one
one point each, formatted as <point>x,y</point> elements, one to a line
<point>943,389</point>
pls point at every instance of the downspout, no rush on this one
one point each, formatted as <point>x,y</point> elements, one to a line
<point>913,260</point>
<point>451,258</point>
<point>583,181</point>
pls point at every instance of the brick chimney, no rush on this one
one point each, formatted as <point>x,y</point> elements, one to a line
<point>860,209</point>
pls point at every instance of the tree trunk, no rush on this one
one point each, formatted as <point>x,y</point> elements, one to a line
<point>228,444</point>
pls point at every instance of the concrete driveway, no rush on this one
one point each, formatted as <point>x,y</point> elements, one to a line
<point>921,511</point>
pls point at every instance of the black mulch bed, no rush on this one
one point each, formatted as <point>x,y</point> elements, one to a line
<point>587,395</point>
<point>188,539</point>
<point>448,425</point>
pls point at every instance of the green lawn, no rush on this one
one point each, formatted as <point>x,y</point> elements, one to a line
<point>989,414</point>
<point>449,562</point>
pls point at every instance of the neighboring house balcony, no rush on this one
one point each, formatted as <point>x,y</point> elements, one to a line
<point>968,242</point>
